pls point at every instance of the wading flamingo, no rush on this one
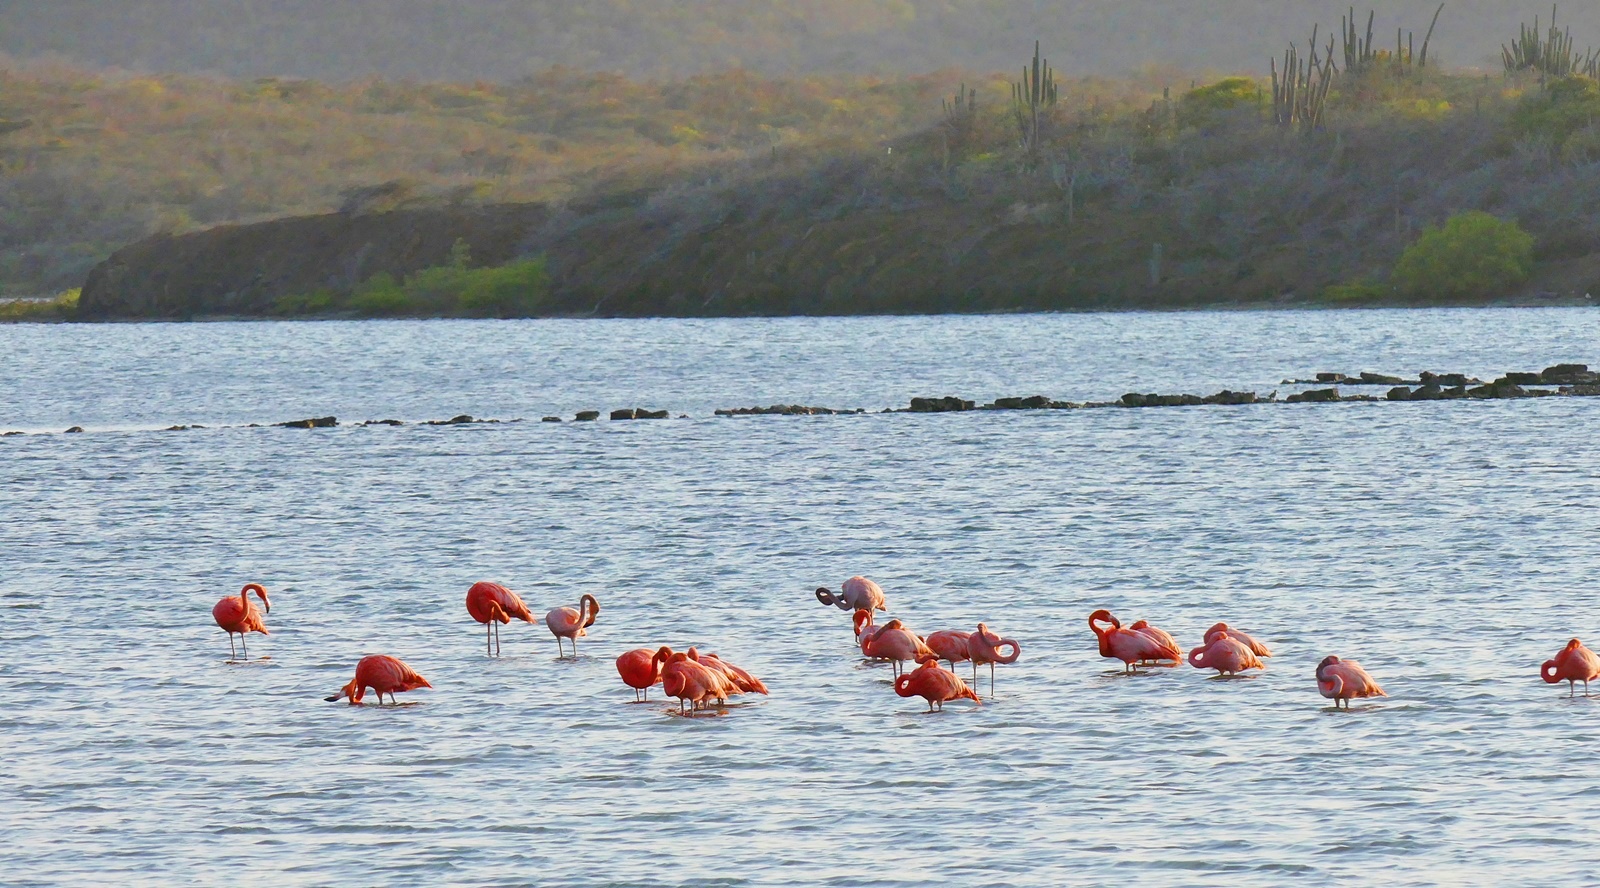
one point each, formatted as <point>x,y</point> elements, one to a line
<point>984,647</point>
<point>861,621</point>
<point>691,682</point>
<point>934,683</point>
<point>1574,663</point>
<point>491,604</point>
<point>951,644</point>
<point>896,643</point>
<point>639,670</point>
<point>237,614</point>
<point>385,675</point>
<point>1226,654</point>
<point>744,681</point>
<point>857,593</point>
<point>1131,645</point>
<point>571,622</point>
<point>1255,647</point>
<point>1345,680</point>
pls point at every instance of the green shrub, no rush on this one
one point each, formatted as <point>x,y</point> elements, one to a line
<point>1199,106</point>
<point>380,296</point>
<point>319,301</point>
<point>1563,108</point>
<point>1357,292</point>
<point>1475,255</point>
<point>62,308</point>
<point>519,289</point>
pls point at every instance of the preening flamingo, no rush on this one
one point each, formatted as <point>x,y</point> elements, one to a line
<point>1573,663</point>
<point>492,604</point>
<point>934,683</point>
<point>1226,654</point>
<point>744,681</point>
<point>984,647</point>
<point>385,675</point>
<point>951,644</point>
<point>1345,680</point>
<point>238,614</point>
<point>639,670</point>
<point>1131,645</point>
<point>857,593</point>
<point>861,621</point>
<point>571,622</point>
<point>1255,647</point>
<point>691,682</point>
<point>897,643</point>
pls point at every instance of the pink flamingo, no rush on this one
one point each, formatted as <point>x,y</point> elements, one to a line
<point>385,675</point>
<point>571,622</point>
<point>492,604</point>
<point>1226,654</point>
<point>951,644</point>
<point>1131,645</point>
<point>1572,664</point>
<point>857,593</point>
<point>237,614</point>
<point>861,621</point>
<point>1345,680</point>
<point>933,683</point>
<point>984,647</point>
<point>1255,647</point>
<point>744,681</point>
<point>896,643</point>
<point>691,682</point>
<point>639,670</point>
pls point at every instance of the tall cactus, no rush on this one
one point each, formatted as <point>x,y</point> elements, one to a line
<point>1551,54</point>
<point>1033,95</point>
<point>1361,54</point>
<point>1300,90</point>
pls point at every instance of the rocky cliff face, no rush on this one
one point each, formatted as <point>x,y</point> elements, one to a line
<point>244,269</point>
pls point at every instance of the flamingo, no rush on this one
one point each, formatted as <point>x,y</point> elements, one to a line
<point>1573,663</point>
<point>896,643</point>
<point>744,681</point>
<point>865,630</point>
<point>984,647</point>
<point>862,620</point>
<point>1343,680</point>
<point>239,615</point>
<point>569,622</point>
<point>1161,638</point>
<point>639,670</point>
<point>934,683</point>
<point>691,682</point>
<point>857,593</point>
<point>1255,647</point>
<point>1132,645</point>
<point>951,644</point>
<point>492,603</point>
<point>1226,654</point>
<point>385,675</point>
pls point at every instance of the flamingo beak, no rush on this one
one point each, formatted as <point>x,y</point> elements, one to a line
<point>334,698</point>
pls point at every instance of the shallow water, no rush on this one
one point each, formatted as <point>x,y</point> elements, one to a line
<point>1447,546</point>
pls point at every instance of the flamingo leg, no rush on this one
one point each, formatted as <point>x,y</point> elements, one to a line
<point>243,647</point>
<point>233,652</point>
<point>991,679</point>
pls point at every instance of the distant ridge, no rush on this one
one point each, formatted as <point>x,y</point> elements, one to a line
<point>507,39</point>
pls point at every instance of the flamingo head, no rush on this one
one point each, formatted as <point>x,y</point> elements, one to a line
<point>1103,616</point>
<point>261,593</point>
<point>594,608</point>
<point>351,690</point>
<point>861,620</point>
<point>663,655</point>
<point>496,612</point>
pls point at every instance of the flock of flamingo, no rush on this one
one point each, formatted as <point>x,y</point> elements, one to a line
<point>698,680</point>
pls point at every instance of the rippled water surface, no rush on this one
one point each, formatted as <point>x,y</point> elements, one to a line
<point>1450,547</point>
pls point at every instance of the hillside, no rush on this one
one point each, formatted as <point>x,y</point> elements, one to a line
<point>502,40</point>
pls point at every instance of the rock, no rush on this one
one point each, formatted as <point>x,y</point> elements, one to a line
<point>1456,380</point>
<point>1380,379</point>
<point>75,430</point>
<point>1497,390</point>
<point>947,404</point>
<point>652,414</point>
<point>551,419</point>
<point>1429,392</point>
<point>587,416</point>
<point>1331,377</point>
<point>1583,391</point>
<point>463,419</point>
<point>1453,394</point>
<point>1569,374</point>
<point>619,415</point>
<point>176,428</point>
<point>1399,393</point>
<point>1035,402</point>
<point>324,422</point>
<point>1133,399</point>
<point>1230,398</point>
<point>1314,396</point>
<point>1520,379</point>
<point>12,434</point>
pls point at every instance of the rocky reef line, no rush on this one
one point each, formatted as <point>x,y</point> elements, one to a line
<point>1560,380</point>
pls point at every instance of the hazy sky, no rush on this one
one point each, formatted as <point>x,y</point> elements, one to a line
<point>506,39</point>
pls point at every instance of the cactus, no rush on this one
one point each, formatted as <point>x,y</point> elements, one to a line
<point>960,122</point>
<point>1361,55</point>
<point>1551,54</point>
<point>1300,90</point>
<point>1033,95</point>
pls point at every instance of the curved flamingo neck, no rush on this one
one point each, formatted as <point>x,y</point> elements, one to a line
<point>1548,672</point>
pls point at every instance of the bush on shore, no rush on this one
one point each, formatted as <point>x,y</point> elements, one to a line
<point>1473,255</point>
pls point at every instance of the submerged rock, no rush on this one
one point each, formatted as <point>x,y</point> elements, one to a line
<point>1314,396</point>
<point>947,404</point>
<point>639,413</point>
<point>587,416</point>
<point>1381,379</point>
<point>551,419</point>
<point>1569,374</point>
<point>322,422</point>
<point>75,430</point>
<point>383,422</point>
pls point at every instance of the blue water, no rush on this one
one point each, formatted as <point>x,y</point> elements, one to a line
<point>1448,546</point>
